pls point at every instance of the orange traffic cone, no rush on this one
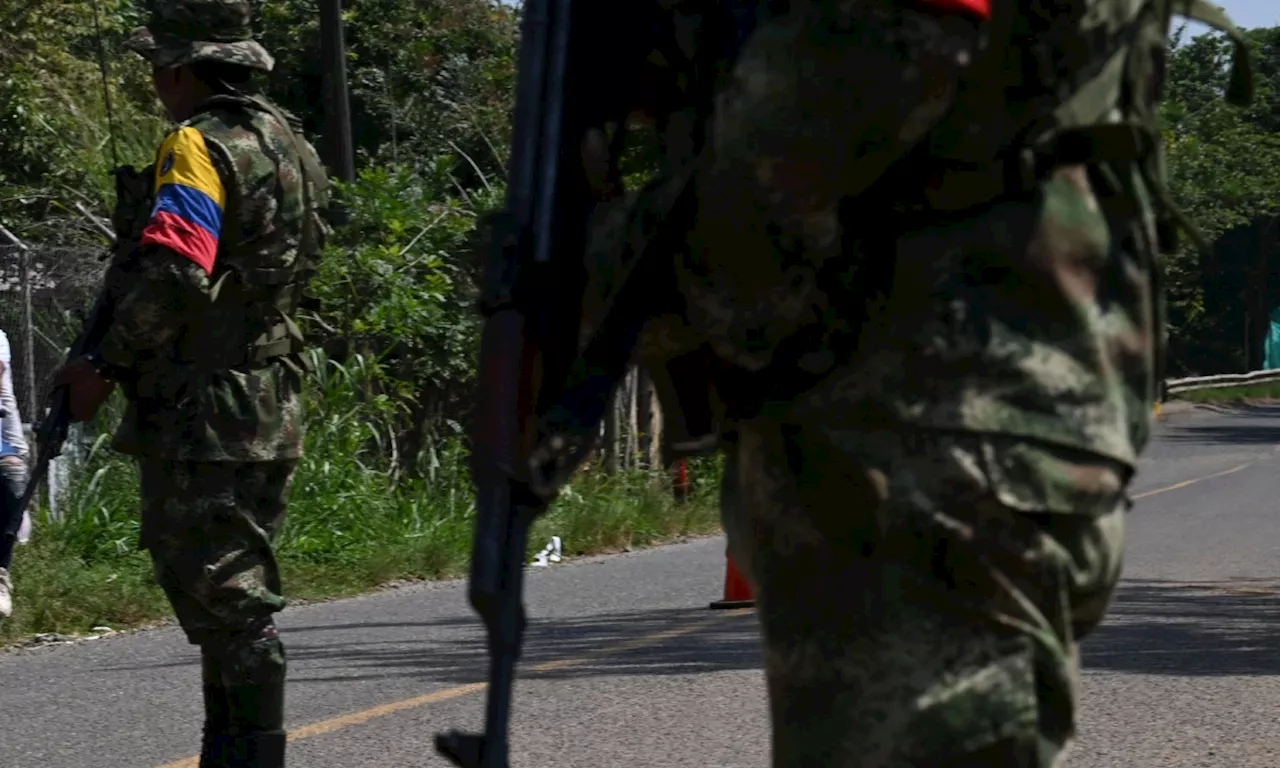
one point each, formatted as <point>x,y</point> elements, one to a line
<point>681,485</point>
<point>737,592</point>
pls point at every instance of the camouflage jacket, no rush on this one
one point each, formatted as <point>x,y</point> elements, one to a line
<point>229,207</point>
<point>958,303</point>
<point>1030,304</point>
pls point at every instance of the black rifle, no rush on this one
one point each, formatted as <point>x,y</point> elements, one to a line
<point>570,73</point>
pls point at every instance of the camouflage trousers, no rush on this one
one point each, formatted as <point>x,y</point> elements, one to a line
<point>920,604</point>
<point>209,527</point>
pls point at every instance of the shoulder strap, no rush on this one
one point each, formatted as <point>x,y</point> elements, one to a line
<point>1240,86</point>
<point>314,173</point>
<point>1239,92</point>
<point>982,95</point>
<point>311,169</point>
<point>313,176</point>
<point>293,338</point>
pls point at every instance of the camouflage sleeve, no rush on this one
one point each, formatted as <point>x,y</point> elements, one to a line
<point>166,288</point>
<point>170,272</point>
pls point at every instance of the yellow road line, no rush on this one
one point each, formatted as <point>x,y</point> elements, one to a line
<point>1193,481</point>
<point>382,710</point>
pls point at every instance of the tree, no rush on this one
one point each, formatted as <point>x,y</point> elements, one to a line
<point>1224,171</point>
<point>432,83</point>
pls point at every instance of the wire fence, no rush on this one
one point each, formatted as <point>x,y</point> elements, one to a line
<point>45,292</point>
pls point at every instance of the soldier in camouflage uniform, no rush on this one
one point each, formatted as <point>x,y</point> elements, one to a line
<point>205,346</point>
<point>921,244</point>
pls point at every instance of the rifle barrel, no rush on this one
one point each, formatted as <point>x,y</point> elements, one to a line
<point>545,217</point>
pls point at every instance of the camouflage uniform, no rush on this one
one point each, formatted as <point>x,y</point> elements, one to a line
<point>210,357</point>
<point>938,357</point>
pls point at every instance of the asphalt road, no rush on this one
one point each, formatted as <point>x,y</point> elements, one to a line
<point>625,666</point>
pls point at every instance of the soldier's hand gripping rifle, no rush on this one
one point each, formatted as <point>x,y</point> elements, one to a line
<point>568,83</point>
<point>51,432</point>
<point>133,198</point>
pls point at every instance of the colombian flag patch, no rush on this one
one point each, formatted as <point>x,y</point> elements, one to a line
<point>189,199</point>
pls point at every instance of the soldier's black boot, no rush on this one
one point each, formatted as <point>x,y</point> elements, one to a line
<point>255,674</point>
<point>257,725</point>
<point>214,746</point>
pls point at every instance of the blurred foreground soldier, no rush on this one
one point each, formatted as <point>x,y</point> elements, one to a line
<point>919,248</point>
<point>205,346</point>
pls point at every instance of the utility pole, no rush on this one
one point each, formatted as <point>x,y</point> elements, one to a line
<point>337,108</point>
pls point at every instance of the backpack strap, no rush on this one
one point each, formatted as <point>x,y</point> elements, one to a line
<point>1240,86</point>
<point>1089,140</point>
<point>310,168</point>
<point>1240,92</point>
<point>314,174</point>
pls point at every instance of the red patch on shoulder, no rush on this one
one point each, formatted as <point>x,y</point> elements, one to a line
<point>980,9</point>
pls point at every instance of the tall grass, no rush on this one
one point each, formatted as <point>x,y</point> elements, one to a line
<point>354,522</point>
<point>1227,395</point>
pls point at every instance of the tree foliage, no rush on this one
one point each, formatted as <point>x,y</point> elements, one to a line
<point>431,84</point>
<point>1224,171</point>
<point>57,144</point>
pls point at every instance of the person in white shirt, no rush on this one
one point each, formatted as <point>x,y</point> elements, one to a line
<point>13,473</point>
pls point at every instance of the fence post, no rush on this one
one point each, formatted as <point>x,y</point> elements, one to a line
<point>28,329</point>
<point>611,435</point>
<point>633,420</point>
<point>53,487</point>
<point>649,421</point>
<point>27,332</point>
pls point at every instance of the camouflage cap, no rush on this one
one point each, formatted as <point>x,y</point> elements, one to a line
<point>182,31</point>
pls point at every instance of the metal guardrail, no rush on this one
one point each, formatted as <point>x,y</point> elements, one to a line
<point>1174,386</point>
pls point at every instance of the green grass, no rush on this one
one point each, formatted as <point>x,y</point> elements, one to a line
<point>85,572</point>
<point>57,591</point>
<point>355,519</point>
<point>1266,391</point>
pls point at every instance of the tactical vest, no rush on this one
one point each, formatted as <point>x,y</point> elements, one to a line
<point>1058,82</point>
<point>1075,82</point>
<point>263,300</point>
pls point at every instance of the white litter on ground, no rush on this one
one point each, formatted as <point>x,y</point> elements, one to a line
<point>551,554</point>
